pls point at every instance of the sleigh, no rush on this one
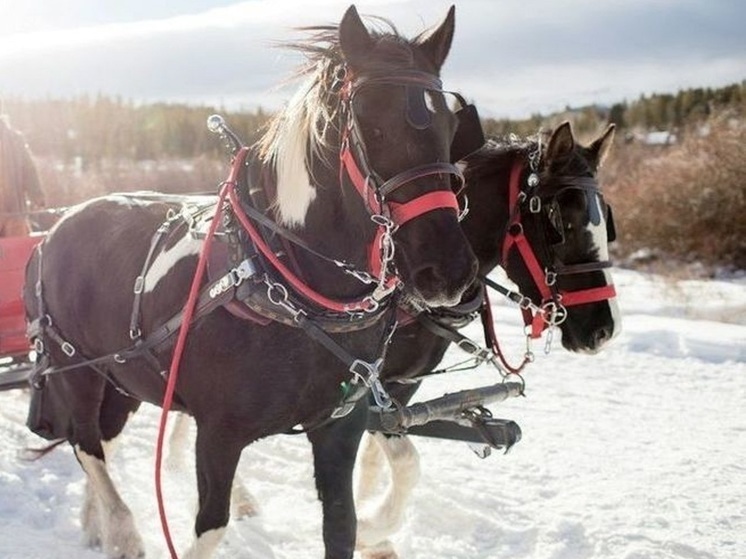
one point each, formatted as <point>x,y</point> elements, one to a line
<point>14,345</point>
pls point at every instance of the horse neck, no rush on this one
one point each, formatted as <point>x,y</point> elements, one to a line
<point>486,223</point>
<point>337,225</point>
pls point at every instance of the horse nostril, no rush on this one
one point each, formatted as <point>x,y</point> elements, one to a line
<point>601,336</point>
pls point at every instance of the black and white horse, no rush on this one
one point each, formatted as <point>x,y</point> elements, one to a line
<point>355,173</point>
<point>538,212</point>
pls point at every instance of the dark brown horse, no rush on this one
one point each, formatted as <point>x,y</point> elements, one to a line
<point>354,168</point>
<point>568,225</point>
<point>19,182</point>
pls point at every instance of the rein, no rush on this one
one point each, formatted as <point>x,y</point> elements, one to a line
<point>368,304</point>
<point>168,396</point>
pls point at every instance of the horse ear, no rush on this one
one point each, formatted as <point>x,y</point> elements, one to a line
<point>354,39</point>
<point>435,43</point>
<point>562,141</point>
<point>600,147</point>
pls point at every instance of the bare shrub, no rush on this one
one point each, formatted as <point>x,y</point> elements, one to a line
<point>71,183</point>
<point>686,201</point>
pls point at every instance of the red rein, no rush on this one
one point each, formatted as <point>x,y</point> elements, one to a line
<point>176,360</point>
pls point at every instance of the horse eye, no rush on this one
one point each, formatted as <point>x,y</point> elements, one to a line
<point>376,134</point>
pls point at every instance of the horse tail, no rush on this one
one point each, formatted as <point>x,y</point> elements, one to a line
<point>34,454</point>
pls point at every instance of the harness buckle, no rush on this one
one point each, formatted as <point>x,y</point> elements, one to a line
<point>470,346</point>
<point>67,348</point>
<point>243,271</point>
<point>139,285</point>
<point>534,205</point>
<point>550,277</point>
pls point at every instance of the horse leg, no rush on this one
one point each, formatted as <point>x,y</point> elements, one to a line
<point>106,519</point>
<point>368,469</point>
<point>404,463</point>
<point>217,457</point>
<point>177,442</point>
<point>334,451</point>
<point>243,503</point>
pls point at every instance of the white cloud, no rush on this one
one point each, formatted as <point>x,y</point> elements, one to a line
<point>514,57</point>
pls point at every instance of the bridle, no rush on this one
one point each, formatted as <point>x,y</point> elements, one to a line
<point>373,189</point>
<point>552,310</point>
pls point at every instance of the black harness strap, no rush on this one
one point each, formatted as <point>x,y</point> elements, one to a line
<point>139,287</point>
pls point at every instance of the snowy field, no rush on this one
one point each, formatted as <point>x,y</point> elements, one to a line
<point>636,453</point>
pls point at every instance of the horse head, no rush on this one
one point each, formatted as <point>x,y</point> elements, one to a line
<point>377,121</point>
<point>562,215</point>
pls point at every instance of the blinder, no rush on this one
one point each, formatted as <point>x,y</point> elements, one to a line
<point>469,135</point>
<point>418,115</point>
<point>552,217</point>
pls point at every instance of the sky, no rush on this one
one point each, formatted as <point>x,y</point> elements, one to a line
<point>512,57</point>
<point>635,452</point>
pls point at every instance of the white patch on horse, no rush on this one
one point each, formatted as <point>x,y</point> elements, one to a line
<point>598,231</point>
<point>204,546</point>
<point>404,464</point>
<point>599,234</point>
<point>106,518</point>
<point>616,313</point>
<point>288,151</point>
<point>367,470</point>
<point>166,260</point>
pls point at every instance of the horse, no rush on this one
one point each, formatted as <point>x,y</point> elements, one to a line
<point>19,182</point>
<point>323,225</point>
<point>566,222</point>
<point>568,226</point>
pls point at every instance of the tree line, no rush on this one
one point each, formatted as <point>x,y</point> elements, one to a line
<point>660,111</point>
<point>105,128</point>
<point>97,128</point>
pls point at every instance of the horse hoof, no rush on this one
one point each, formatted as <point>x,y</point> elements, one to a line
<point>245,510</point>
<point>391,554</point>
<point>125,543</point>
<point>382,550</point>
<point>92,541</point>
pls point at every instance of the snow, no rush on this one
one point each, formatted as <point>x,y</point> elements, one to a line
<point>638,452</point>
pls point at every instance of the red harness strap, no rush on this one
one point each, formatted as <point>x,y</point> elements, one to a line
<point>515,237</point>
<point>440,199</point>
<point>348,164</point>
<point>399,213</point>
<point>317,298</point>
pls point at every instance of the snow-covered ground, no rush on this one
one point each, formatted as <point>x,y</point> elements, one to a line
<point>636,453</point>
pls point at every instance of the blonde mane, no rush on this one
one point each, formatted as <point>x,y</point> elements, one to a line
<point>302,128</point>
